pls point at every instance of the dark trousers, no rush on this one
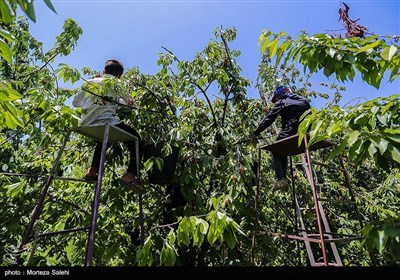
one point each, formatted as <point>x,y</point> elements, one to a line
<point>129,144</point>
<point>280,165</point>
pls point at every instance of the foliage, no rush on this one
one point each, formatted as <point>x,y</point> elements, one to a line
<point>215,204</point>
<point>365,132</point>
<point>371,56</point>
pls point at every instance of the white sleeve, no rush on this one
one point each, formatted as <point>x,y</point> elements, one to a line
<point>79,98</point>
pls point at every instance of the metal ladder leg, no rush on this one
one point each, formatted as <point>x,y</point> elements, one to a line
<point>96,201</point>
<point>315,198</point>
<point>141,218</point>
<point>297,214</point>
<point>38,209</point>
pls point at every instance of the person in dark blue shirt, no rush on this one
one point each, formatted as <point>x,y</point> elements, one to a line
<point>289,107</point>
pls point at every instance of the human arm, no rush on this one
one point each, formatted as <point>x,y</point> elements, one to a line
<point>79,98</point>
<point>269,119</point>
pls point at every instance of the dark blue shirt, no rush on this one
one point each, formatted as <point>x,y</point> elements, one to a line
<point>290,108</point>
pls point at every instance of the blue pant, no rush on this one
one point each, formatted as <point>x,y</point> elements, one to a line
<point>280,165</point>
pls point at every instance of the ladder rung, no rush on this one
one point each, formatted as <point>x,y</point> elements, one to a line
<point>340,240</point>
<point>314,233</point>
<point>285,235</point>
<point>61,232</point>
<point>75,179</point>
<point>335,200</point>
<point>328,239</point>
<point>323,264</point>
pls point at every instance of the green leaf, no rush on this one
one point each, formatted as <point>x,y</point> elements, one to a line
<point>384,118</point>
<point>353,137</point>
<point>394,249</point>
<point>372,150</point>
<point>381,242</point>
<point>349,58</point>
<point>229,238</point>
<point>6,35</point>
<point>395,153</point>
<point>356,149</point>
<point>163,255</point>
<point>380,143</point>
<point>198,236</point>
<point>14,189</point>
<point>372,240</point>
<point>392,230</point>
<point>263,41</point>
<point>148,164</point>
<point>388,52</point>
<point>9,95</point>
<point>333,129</point>
<point>170,256</point>
<point>159,163</point>
<point>315,128</point>
<point>338,149</point>
<point>12,121</point>
<point>183,232</point>
<point>392,131</point>
<point>374,110</point>
<point>203,225</point>
<point>5,51</point>
<point>317,139</point>
<point>67,110</point>
<point>273,47</point>
<point>395,138</point>
<point>145,254</point>
<point>50,5</point>
<point>6,12</point>
<point>370,46</point>
<point>328,71</point>
<point>71,74</point>
<point>171,236</point>
<point>28,8</point>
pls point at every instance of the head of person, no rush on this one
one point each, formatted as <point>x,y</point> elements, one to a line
<point>280,93</point>
<point>114,67</point>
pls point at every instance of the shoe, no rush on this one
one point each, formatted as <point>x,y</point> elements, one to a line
<point>91,174</point>
<point>132,183</point>
<point>280,185</point>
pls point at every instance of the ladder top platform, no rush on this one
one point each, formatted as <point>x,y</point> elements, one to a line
<point>289,146</point>
<point>115,134</point>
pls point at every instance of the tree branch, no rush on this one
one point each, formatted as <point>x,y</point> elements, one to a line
<point>192,81</point>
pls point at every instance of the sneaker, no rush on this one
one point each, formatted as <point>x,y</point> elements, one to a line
<point>130,181</point>
<point>91,174</point>
<point>280,185</point>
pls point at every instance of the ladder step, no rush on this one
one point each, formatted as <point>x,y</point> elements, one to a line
<point>313,233</point>
<point>289,236</point>
<point>60,232</point>
<point>328,239</point>
<point>75,179</point>
<point>323,264</point>
<point>335,200</point>
<point>342,240</point>
<point>306,209</point>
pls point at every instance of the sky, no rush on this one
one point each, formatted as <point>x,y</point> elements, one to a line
<point>134,32</point>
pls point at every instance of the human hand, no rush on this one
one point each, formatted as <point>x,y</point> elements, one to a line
<point>130,102</point>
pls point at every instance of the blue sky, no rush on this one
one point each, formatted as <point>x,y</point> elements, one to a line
<point>135,31</point>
